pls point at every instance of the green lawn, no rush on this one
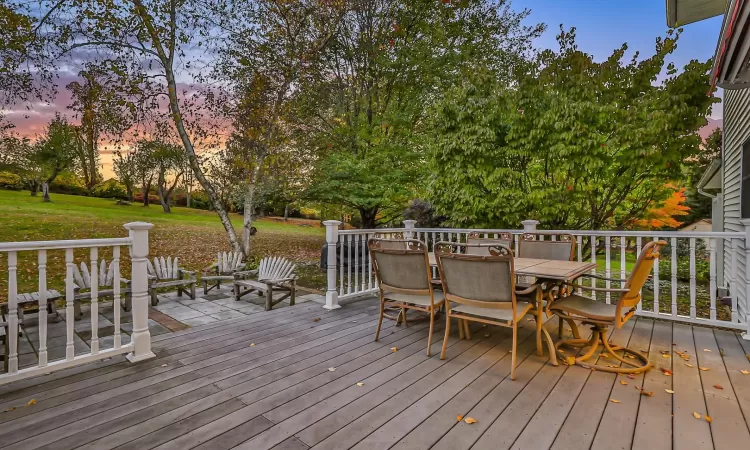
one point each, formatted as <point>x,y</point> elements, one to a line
<point>193,235</point>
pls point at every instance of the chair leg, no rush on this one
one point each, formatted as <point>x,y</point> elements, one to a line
<point>77,313</point>
<point>205,287</point>
<point>460,324</point>
<point>539,323</point>
<point>559,327</point>
<point>467,333</point>
<point>292,298</point>
<point>269,297</point>
<point>380,319</point>
<point>515,351</point>
<point>432,327</point>
<point>154,298</point>
<point>192,290</point>
<point>447,333</point>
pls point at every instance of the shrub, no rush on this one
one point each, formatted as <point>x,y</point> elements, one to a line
<point>110,189</point>
<point>68,183</point>
<point>10,181</point>
<point>199,200</point>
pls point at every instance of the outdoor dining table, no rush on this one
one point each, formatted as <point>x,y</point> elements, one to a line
<point>549,273</point>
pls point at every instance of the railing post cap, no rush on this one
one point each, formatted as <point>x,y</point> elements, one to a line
<point>530,222</point>
<point>331,223</point>
<point>138,226</point>
<point>410,223</point>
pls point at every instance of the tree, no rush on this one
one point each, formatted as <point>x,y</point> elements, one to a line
<point>268,58</point>
<point>101,111</point>
<point>665,215</point>
<point>140,44</point>
<point>388,62</point>
<point>576,144</point>
<point>145,166</point>
<point>51,154</point>
<point>124,166</point>
<point>169,161</point>
<point>695,167</point>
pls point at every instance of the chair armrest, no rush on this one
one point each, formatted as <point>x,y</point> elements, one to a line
<point>529,289</point>
<point>212,267</point>
<point>281,280</point>
<point>245,273</point>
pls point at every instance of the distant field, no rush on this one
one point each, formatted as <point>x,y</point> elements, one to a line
<point>194,236</point>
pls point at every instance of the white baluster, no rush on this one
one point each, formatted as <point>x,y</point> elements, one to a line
<point>712,277</point>
<point>94,301</point>
<point>656,282</point>
<point>42,259</point>
<point>116,294</point>
<point>69,312</point>
<point>355,241</point>
<point>341,242</point>
<point>693,311</point>
<point>12,313</point>
<point>673,266</point>
<point>579,240</point>
<point>607,264</point>
<point>592,241</point>
<point>363,267</point>
<point>623,262</point>
<point>348,243</point>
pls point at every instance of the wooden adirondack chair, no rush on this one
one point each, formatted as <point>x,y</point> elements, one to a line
<point>273,273</point>
<point>82,280</point>
<point>167,273</point>
<point>226,265</point>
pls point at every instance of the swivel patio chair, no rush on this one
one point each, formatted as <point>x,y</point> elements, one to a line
<point>478,245</point>
<point>403,272</point>
<point>601,316</point>
<point>483,286</point>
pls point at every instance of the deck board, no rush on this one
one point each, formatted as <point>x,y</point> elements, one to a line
<point>209,389</point>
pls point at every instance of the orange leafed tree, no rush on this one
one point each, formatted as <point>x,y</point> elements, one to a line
<point>665,215</point>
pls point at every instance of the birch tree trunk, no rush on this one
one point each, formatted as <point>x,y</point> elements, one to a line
<point>45,192</point>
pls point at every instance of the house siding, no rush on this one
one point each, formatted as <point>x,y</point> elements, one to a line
<point>736,133</point>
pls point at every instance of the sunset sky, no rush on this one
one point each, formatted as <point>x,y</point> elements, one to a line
<point>601,26</point>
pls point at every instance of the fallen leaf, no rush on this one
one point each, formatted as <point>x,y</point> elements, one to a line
<point>459,418</point>
<point>696,415</point>
<point>665,356</point>
<point>664,352</point>
<point>360,384</point>
<point>331,369</point>
<point>630,356</point>
<point>570,360</point>
<point>317,319</point>
<point>31,402</point>
<point>704,368</point>
<point>614,401</point>
<point>706,350</point>
<point>486,335</point>
<point>623,382</point>
<point>252,345</point>
<point>470,420</point>
<point>604,355</point>
<point>669,391</point>
<point>666,372</point>
<point>708,419</point>
<point>394,349</point>
<point>718,386</point>
<point>644,392</point>
<point>745,372</point>
<point>748,357</point>
<point>164,365</point>
<point>689,365</point>
<point>631,376</point>
<point>12,408</point>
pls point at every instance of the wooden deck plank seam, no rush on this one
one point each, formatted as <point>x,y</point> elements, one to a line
<point>731,385</point>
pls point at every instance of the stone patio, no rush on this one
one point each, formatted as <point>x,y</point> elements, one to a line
<point>173,313</point>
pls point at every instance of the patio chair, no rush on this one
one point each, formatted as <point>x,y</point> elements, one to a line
<point>82,286</point>
<point>226,265</point>
<point>168,273</point>
<point>404,275</point>
<point>601,316</point>
<point>274,273</point>
<point>478,245</point>
<point>392,241</point>
<point>563,248</point>
<point>483,286</point>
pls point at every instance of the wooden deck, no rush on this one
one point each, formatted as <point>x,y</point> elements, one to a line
<point>287,379</point>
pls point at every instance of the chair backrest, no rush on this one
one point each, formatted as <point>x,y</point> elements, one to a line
<point>393,241</point>
<point>401,265</point>
<point>561,249</point>
<point>638,277</point>
<point>228,262</point>
<point>82,277</point>
<point>164,269</point>
<point>478,280</point>
<point>474,238</point>
<point>275,268</point>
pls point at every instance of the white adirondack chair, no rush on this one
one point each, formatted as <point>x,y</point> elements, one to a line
<point>167,273</point>
<point>82,280</point>
<point>272,273</point>
<point>226,265</point>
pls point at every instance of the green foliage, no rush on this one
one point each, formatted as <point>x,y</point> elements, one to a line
<point>10,181</point>
<point>67,182</point>
<point>576,144</point>
<point>110,189</point>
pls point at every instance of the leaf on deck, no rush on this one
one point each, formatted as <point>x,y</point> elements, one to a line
<point>470,420</point>
<point>696,415</point>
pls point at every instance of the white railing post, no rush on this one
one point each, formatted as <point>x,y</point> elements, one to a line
<point>746,224</point>
<point>409,228</point>
<point>141,336</point>
<point>529,226</point>
<point>332,238</point>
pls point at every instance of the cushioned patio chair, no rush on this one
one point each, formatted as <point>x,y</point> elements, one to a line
<point>483,287</point>
<point>479,245</point>
<point>403,272</point>
<point>601,316</point>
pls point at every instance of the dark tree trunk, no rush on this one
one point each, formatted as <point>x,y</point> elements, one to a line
<point>145,189</point>
<point>34,188</point>
<point>286,212</point>
<point>369,217</point>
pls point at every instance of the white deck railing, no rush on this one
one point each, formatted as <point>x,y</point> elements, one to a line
<point>688,283</point>
<point>139,347</point>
